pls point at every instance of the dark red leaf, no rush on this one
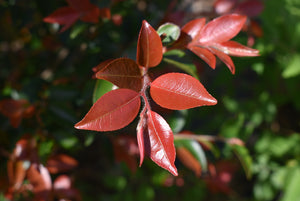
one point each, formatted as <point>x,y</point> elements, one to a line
<point>91,15</point>
<point>180,91</point>
<point>251,8</point>
<point>114,110</point>
<point>60,163</point>
<point>126,150</point>
<point>224,58</point>
<point>204,54</point>
<point>149,47</point>
<point>222,29</point>
<point>80,5</point>
<point>64,16</point>
<point>123,72</point>
<point>161,143</point>
<point>236,49</point>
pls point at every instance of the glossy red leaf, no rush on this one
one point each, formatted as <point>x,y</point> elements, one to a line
<point>66,16</point>
<point>222,29</point>
<point>236,49</point>
<point>149,47</point>
<point>180,91</point>
<point>123,72</point>
<point>204,54</point>
<point>114,110</point>
<point>224,58</point>
<point>161,142</point>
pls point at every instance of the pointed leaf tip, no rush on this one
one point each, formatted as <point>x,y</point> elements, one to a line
<point>113,111</point>
<point>178,91</point>
<point>149,47</point>
<point>160,141</point>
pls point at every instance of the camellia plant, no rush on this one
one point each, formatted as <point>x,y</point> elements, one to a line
<point>176,91</point>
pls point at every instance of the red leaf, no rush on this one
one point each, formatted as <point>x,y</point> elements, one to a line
<point>204,54</point>
<point>92,15</point>
<point>141,129</point>
<point>193,28</point>
<point>114,110</point>
<point>236,49</point>
<point>161,144</point>
<point>63,16</point>
<point>190,32</point>
<point>123,72</point>
<point>149,47</point>
<point>222,29</point>
<point>224,58</point>
<point>180,91</point>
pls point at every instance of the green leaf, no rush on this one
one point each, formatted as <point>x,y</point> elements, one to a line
<point>175,52</point>
<point>245,159</point>
<point>293,67</point>
<point>189,68</point>
<point>292,187</point>
<point>101,87</point>
<point>196,150</point>
<point>170,31</point>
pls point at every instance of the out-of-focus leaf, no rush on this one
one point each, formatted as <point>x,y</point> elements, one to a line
<point>40,179</point>
<point>114,110</point>
<point>149,48</point>
<point>158,142</point>
<point>180,91</point>
<point>293,67</point>
<point>62,189</point>
<point>123,72</point>
<point>189,160</point>
<point>101,88</point>
<point>60,163</point>
<point>245,159</point>
<point>170,31</point>
<point>251,8</point>
<point>196,150</point>
<point>189,68</point>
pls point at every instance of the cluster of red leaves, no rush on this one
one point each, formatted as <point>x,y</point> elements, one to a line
<point>214,39</point>
<point>23,164</point>
<point>16,110</point>
<point>175,91</point>
<point>77,9</point>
